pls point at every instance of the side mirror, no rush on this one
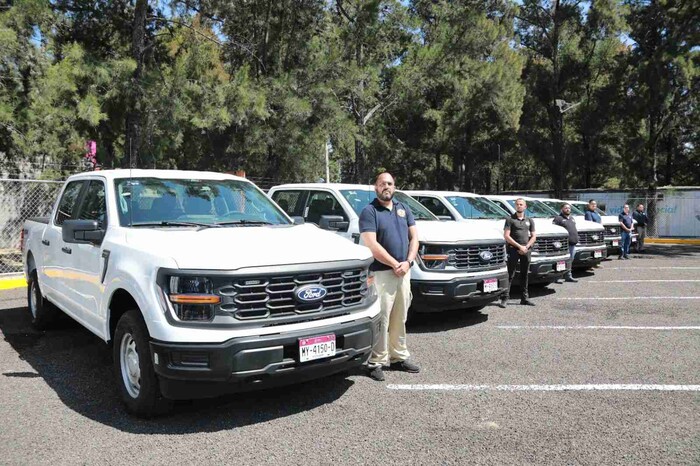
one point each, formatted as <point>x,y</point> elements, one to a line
<point>82,232</point>
<point>444,217</point>
<point>333,223</point>
<point>298,220</point>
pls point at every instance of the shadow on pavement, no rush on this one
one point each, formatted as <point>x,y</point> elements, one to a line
<point>445,320</point>
<point>78,367</point>
<point>656,251</point>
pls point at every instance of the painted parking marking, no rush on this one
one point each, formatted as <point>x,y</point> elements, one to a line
<point>642,281</point>
<point>619,298</point>
<point>544,388</point>
<point>651,268</point>
<point>593,327</point>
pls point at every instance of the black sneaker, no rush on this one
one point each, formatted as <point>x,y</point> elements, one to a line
<point>406,366</point>
<point>571,280</point>
<point>502,304</point>
<point>526,302</point>
<point>377,374</point>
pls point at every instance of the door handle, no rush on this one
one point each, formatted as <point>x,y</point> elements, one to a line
<point>45,242</point>
<point>67,250</point>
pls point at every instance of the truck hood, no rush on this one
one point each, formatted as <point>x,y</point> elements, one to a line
<point>455,232</point>
<point>238,247</point>
<point>542,226</point>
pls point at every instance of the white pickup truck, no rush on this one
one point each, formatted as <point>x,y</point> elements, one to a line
<point>550,254</point>
<point>201,283</point>
<point>457,267</point>
<point>611,223</point>
<point>590,249</point>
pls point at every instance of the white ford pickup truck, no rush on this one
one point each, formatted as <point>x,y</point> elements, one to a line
<point>457,267</point>
<point>201,283</point>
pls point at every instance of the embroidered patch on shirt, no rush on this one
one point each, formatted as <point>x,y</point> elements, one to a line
<point>527,223</point>
<point>401,212</point>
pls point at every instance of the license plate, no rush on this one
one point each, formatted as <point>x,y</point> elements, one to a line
<point>616,242</point>
<point>561,265</point>
<point>597,254</point>
<point>313,348</point>
<point>490,284</point>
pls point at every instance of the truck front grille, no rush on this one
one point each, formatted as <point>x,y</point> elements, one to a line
<point>274,296</point>
<point>612,230</point>
<point>552,245</point>
<point>591,238</point>
<point>478,257</point>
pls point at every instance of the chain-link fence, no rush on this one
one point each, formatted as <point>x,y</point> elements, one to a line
<point>20,200</point>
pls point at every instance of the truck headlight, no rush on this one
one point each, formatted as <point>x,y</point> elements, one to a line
<point>193,298</point>
<point>433,257</point>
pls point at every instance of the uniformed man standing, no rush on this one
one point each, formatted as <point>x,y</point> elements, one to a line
<point>519,233</point>
<point>564,219</point>
<point>388,229</point>
<point>591,215</point>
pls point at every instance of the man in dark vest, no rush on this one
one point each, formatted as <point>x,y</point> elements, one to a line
<point>519,233</point>
<point>566,220</point>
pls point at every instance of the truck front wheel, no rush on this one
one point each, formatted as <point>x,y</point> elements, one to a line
<point>43,312</point>
<point>138,383</point>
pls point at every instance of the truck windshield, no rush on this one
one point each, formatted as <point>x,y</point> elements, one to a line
<point>536,209</point>
<point>476,208</point>
<point>193,202</point>
<point>556,206</point>
<point>359,198</point>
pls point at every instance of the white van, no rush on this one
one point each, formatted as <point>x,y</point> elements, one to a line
<point>591,248</point>
<point>471,273</point>
<point>550,254</point>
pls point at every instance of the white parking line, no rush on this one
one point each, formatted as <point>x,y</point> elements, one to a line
<point>641,281</point>
<point>620,298</point>
<point>591,327</point>
<point>650,268</point>
<point>546,388</point>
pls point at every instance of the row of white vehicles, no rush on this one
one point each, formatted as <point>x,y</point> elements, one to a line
<point>203,285</point>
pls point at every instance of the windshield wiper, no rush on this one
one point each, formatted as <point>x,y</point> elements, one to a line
<point>244,222</point>
<point>168,223</point>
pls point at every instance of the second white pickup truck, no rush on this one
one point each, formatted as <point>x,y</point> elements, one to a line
<point>201,284</point>
<point>457,267</point>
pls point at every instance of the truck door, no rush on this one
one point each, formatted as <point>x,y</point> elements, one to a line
<point>56,279</point>
<point>88,259</point>
<point>320,203</point>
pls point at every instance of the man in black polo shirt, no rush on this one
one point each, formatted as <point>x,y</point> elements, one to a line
<point>388,229</point>
<point>519,232</point>
<point>564,219</point>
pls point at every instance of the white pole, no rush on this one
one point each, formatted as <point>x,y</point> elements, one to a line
<point>328,175</point>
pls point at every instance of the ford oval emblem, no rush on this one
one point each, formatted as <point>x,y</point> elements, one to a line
<point>311,293</point>
<point>486,255</point>
<point>613,230</point>
<point>557,244</point>
<point>594,237</point>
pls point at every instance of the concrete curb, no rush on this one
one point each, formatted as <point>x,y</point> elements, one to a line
<point>695,241</point>
<point>13,282</point>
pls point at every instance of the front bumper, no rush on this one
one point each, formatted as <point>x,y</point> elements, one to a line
<point>546,271</point>
<point>585,258</point>
<point>188,371</point>
<point>459,293</point>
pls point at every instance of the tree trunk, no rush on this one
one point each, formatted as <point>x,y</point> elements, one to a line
<point>134,118</point>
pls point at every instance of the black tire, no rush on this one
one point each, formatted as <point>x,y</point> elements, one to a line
<point>43,313</point>
<point>133,367</point>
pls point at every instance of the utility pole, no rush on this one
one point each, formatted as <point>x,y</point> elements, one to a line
<point>328,172</point>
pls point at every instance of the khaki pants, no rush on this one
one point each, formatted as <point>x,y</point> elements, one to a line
<point>394,299</point>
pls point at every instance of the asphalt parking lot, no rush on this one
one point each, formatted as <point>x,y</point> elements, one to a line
<point>603,371</point>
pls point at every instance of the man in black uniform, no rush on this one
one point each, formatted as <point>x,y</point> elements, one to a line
<point>519,233</point>
<point>564,219</point>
